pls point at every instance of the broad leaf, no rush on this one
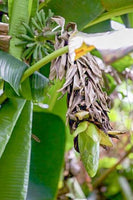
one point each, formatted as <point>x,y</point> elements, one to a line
<point>89,151</point>
<point>47,156</point>
<point>14,164</point>
<point>38,84</point>
<point>9,114</point>
<point>110,44</point>
<point>100,27</point>
<point>78,11</point>
<point>11,70</point>
<point>33,88</point>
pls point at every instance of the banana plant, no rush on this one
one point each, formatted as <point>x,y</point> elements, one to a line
<point>32,138</point>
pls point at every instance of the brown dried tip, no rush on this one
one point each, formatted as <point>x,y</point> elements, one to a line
<point>4,37</point>
<point>83,85</point>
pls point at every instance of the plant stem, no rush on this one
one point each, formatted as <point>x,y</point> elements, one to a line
<point>100,180</point>
<point>37,66</point>
<point>110,14</point>
<point>43,62</point>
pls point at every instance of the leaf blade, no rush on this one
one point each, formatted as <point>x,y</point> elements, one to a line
<point>9,115</point>
<point>14,164</point>
<point>11,70</point>
<point>80,12</point>
<point>50,130</point>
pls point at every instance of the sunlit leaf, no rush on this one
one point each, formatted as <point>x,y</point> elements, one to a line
<point>111,44</point>
<point>15,161</point>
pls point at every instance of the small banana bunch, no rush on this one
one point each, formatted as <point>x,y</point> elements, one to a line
<point>39,38</point>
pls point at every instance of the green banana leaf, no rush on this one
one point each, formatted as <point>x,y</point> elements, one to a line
<point>11,70</point>
<point>38,84</point>
<point>15,161</point>
<point>81,12</point>
<point>9,114</point>
<point>47,156</point>
<point>116,9</point>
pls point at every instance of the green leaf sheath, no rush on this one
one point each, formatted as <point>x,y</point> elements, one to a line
<point>18,12</point>
<point>9,114</point>
<point>14,164</point>
<point>46,157</point>
<point>10,4</point>
<point>11,70</point>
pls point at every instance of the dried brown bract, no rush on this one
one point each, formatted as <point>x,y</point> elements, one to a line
<point>4,37</point>
<point>83,85</point>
